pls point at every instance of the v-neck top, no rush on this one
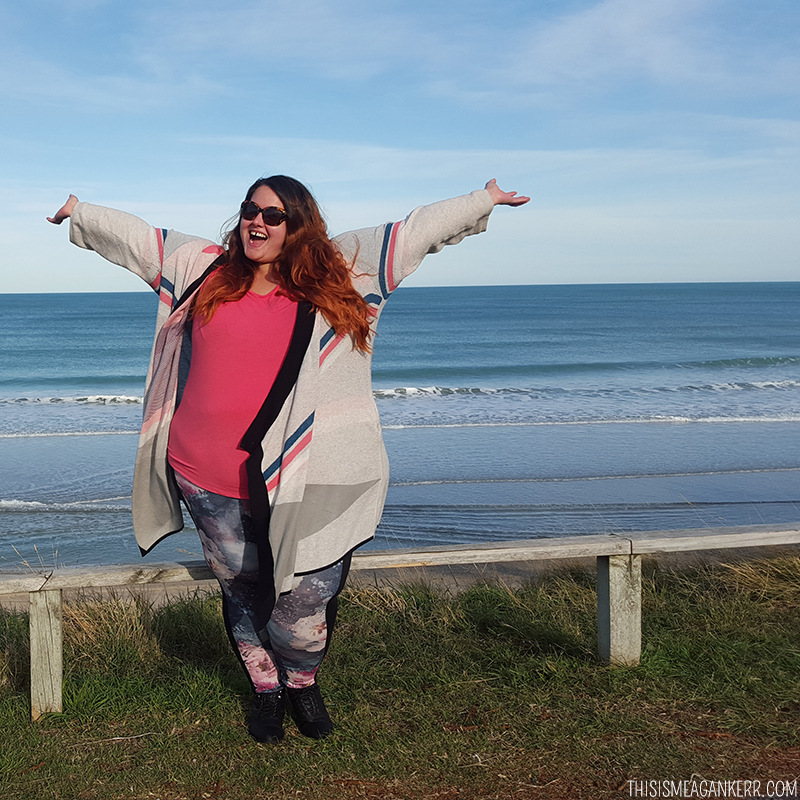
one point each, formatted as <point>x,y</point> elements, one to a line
<point>223,392</point>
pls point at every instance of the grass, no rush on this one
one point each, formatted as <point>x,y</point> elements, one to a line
<point>490,693</point>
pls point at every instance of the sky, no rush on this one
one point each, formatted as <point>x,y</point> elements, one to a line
<point>659,140</point>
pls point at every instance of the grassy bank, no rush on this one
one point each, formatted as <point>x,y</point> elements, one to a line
<point>489,693</point>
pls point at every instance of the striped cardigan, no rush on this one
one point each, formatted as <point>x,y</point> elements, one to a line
<point>317,470</point>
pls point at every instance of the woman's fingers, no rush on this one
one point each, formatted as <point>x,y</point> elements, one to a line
<point>64,212</point>
<point>502,198</point>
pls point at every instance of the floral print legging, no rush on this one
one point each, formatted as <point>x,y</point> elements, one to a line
<point>289,649</point>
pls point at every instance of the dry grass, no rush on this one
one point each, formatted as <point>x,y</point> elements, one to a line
<point>776,580</point>
<point>120,632</point>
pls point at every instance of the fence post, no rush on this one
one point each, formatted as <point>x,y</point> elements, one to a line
<point>46,652</point>
<point>619,609</point>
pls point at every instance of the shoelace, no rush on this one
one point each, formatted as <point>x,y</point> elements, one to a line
<point>307,702</point>
<point>268,704</point>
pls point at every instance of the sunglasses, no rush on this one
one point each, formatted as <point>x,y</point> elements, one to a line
<point>271,215</point>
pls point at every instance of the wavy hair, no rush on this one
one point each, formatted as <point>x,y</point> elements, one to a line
<point>310,267</point>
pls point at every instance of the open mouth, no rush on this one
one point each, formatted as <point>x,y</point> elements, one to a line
<point>257,236</point>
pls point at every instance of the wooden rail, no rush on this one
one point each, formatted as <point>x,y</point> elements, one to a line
<point>619,585</point>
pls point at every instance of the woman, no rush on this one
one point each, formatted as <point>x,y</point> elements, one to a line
<point>259,415</point>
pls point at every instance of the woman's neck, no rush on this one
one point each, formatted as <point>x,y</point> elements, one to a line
<point>263,283</point>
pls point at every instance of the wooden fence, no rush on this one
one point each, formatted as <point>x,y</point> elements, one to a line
<point>619,585</point>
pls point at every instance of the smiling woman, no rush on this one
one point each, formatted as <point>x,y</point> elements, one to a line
<point>294,251</point>
<point>261,229</point>
<point>260,417</point>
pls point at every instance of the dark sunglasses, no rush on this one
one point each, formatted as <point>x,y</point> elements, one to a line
<point>271,215</point>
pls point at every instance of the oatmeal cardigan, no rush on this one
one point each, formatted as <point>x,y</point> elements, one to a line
<point>317,469</point>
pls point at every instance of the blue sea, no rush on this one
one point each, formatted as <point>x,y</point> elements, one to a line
<point>508,412</point>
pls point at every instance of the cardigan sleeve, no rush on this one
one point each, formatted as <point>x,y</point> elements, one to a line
<point>130,242</point>
<point>391,252</point>
<point>428,229</point>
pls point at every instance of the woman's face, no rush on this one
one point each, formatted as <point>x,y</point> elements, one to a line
<point>263,243</point>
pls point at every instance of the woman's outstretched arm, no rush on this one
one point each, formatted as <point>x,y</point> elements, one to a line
<point>428,229</point>
<point>387,254</point>
<point>124,239</point>
<point>115,235</point>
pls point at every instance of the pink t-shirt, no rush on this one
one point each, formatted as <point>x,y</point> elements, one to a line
<point>235,360</point>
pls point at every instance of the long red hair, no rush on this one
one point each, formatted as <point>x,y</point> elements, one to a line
<point>310,267</point>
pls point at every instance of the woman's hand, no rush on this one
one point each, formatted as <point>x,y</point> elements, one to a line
<point>64,212</point>
<point>502,198</point>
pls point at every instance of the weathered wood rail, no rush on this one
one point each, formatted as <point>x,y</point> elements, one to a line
<point>619,585</point>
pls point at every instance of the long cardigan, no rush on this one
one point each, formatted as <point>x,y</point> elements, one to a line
<point>317,469</point>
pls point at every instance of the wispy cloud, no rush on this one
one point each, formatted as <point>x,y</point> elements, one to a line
<point>696,46</point>
<point>348,40</point>
<point>342,162</point>
<point>616,38</point>
<point>175,51</point>
<point>31,81</point>
<point>520,56</point>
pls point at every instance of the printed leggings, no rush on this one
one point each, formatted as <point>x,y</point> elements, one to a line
<point>289,649</point>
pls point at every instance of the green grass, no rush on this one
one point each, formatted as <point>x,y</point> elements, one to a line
<point>488,693</point>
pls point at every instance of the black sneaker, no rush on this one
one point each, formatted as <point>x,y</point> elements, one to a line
<point>266,718</point>
<point>309,712</point>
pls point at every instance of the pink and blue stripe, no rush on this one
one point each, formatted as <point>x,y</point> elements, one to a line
<point>166,291</point>
<point>386,269</point>
<point>292,448</point>
<point>164,288</point>
<point>329,342</point>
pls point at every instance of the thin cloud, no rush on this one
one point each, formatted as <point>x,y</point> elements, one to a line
<point>348,41</point>
<point>30,80</point>
<point>520,57</point>
<point>605,47</point>
<point>616,37</point>
<point>343,162</point>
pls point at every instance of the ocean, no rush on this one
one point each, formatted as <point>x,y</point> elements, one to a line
<point>509,412</point>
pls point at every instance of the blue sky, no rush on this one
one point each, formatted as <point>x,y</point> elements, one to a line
<point>659,139</point>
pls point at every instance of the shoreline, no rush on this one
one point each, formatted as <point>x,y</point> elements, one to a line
<point>98,531</point>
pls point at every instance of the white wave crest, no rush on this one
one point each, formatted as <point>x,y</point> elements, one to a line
<point>88,399</point>
<point>444,391</point>
<point>46,434</point>
<point>581,478</point>
<point>106,505</point>
<point>794,418</point>
<point>583,391</point>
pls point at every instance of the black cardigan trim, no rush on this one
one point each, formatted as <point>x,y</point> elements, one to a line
<point>195,284</point>
<point>251,442</point>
